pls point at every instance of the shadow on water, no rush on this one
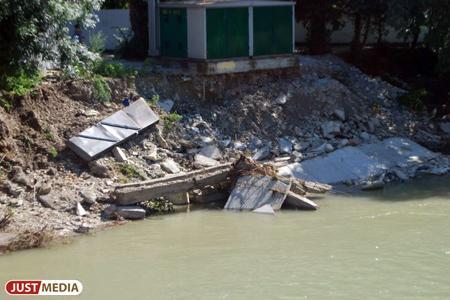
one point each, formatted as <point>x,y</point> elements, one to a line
<point>421,188</point>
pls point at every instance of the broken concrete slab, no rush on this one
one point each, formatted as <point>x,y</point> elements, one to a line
<point>178,199</point>
<point>265,209</point>
<point>113,130</point>
<point>6,239</point>
<point>166,105</point>
<point>170,166</point>
<point>119,154</point>
<point>204,161</point>
<point>211,151</point>
<point>254,191</point>
<point>284,145</point>
<point>359,163</point>
<point>152,189</point>
<point>300,202</point>
<point>262,153</point>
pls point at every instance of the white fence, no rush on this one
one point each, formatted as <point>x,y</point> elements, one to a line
<point>110,20</point>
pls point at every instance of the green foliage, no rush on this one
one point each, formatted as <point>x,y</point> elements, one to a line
<point>429,17</point>
<point>124,38</point>
<point>113,69</point>
<point>115,4</point>
<point>415,99</point>
<point>155,99</point>
<point>28,142</point>
<point>101,90</point>
<point>53,152</point>
<point>97,42</point>
<point>34,30</point>
<point>170,120</point>
<point>48,134</point>
<point>130,171</point>
<point>21,82</point>
<point>6,104</point>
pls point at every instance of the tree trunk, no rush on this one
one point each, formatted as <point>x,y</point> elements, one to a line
<point>415,38</point>
<point>356,42</point>
<point>366,31</point>
<point>139,26</point>
<point>318,36</point>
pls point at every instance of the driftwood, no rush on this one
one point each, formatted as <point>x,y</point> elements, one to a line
<point>148,190</point>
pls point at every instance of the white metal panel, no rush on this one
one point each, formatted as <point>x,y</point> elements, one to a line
<point>196,32</point>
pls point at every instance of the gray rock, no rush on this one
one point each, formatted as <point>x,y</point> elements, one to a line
<point>44,189</point>
<point>170,166</point>
<point>204,161</point>
<point>282,99</point>
<point>343,143</point>
<point>162,142</point>
<point>206,140</point>
<point>284,145</point>
<point>88,196</point>
<point>99,168</point>
<point>211,151</point>
<point>331,128</point>
<point>21,178</point>
<point>166,105</point>
<point>371,126</point>
<point>119,154</point>
<point>324,148</point>
<point>400,174</point>
<point>238,145</point>
<point>47,201</point>
<point>365,136</point>
<point>445,127</point>
<point>340,114</point>
<point>262,153</point>
<point>15,202</point>
<point>12,189</point>
<point>225,143</point>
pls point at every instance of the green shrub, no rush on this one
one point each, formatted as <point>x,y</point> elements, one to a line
<point>113,69</point>
<point>155,99</point>
<point>101,90</point>
<point>53,152</point>
<point>97,42</point>
<point>414,99</point>
<point>170,120</point>
<point>21,82</point>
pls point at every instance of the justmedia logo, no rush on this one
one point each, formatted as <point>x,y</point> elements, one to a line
<point>44,287</point>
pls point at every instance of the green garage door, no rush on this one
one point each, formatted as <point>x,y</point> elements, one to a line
<point>173,22</point>
<point>227,32</point>
<point>272,30</point>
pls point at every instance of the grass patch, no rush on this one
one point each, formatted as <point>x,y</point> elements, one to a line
<point>130,171</point>
<point>101,90</point>
<point>113,69</point>
<point>53,152</point>
<point>21,83</point>
<point>48,135</point>
<point>155,99</point>
<point>170,120</point>
<point>6,104</point>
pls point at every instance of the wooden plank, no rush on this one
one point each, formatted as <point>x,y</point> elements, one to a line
<point>134,193</point>
<point>254,191</point>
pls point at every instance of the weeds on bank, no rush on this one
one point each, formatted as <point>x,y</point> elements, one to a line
<point>48,135</point>
<point>113,69</point>
<point>21,82</point>
<point>130,171</point>
<point>53,152</point>
<point>155,99</point>
<point>101,90</point>
<point>6,104</point>
<point>170,120</point>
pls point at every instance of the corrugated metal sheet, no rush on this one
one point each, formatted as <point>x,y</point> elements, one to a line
<point>272,30</point>
<point>113,130</point>
<point>174,38</point>
<point>227,32</point>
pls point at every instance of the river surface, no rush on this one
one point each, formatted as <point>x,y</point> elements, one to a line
<point>391,244</point>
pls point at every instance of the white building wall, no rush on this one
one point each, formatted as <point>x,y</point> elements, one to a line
<point>196,32</point>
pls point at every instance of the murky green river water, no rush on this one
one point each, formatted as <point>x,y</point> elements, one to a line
<point>392,244</point>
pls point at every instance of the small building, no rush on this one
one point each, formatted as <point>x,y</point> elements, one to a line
<point>222,29</point>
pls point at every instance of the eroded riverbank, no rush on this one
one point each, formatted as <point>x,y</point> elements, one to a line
<point>389,244</point>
